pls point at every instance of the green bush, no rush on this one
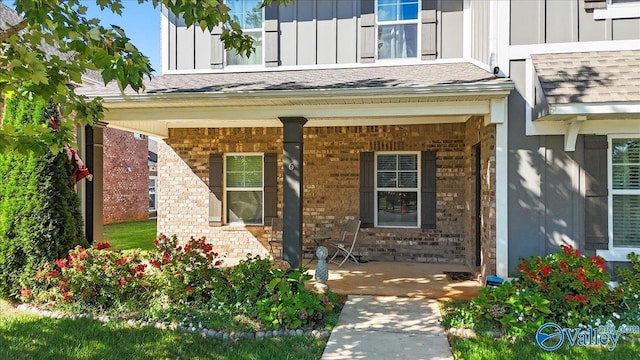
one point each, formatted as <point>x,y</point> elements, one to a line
<point>40,219</point>
<point>173,282</point>
<point>566,288</point>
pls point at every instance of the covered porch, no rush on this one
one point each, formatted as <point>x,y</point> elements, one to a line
<point>319,131</point>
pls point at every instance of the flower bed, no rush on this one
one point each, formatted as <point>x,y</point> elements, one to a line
<point>181,284</point>
<point>565,288</point>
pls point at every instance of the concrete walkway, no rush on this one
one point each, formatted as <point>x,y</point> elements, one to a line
<point>388,327</point>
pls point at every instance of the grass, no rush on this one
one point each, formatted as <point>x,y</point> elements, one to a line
<point>456,314</point>
<point>485,347</point>
<point>25,336</point>
<point>131,235</point>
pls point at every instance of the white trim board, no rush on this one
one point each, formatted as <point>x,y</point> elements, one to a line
<point>518,52</point>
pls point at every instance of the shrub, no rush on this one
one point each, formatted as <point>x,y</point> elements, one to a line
<point>40,217</point>
<point>292,306</point>
<point>630,282</point>
<point>566,288</point>
<point>176,281</point>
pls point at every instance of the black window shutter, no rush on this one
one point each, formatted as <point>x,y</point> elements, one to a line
<point>270,187</point>
<point>428,190</point>
<point>596,220</point>
<point>367,189</point>
<point>215,187</point>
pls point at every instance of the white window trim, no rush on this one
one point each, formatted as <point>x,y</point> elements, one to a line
<point>155,192</point>
<point>248,66</point>
<point>618,11</point>
<point>418,23</point>
<point>225,209</point>
<point>417,189</point>
<point>615,253</point>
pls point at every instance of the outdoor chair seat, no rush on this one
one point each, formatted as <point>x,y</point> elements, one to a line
<point>344,247</point>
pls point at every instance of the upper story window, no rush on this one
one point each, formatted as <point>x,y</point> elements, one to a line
<point>244,188</point>
<point>248,14</point>
<point>397,189</point>
<point>397,22</point>
<point>625,191</point>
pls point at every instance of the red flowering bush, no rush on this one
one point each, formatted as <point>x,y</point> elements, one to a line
<point>98,279</point>
<point>187,273</point>
<point>576,285</point>
<point>92,279</point>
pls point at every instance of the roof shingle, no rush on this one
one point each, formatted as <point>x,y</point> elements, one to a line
<point>360,77</point>
<point>589,77</point>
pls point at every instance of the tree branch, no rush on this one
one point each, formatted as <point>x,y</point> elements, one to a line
<point>13,29</point>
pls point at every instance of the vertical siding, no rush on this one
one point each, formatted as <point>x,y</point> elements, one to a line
<point>591,30</point>
<point>526,214</point>
<point>185,46</point>
<point>172,41</point>
<point>306,44</point>
<point>561,21</point>
<point>202,49</point>
<point>625,29</point>
<point>451,29</point>
<point>347,31</point>
<point>288,35</point>
<point>480,31</point>
<point>555,21</point>
<point>527,22</point>
<point>326,32</point>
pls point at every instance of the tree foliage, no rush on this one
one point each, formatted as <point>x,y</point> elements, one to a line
<point>55,43</point>
<point>40,218</point>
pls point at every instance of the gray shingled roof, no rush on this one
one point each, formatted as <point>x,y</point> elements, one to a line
<point>589,77</point>
<point>403,76</point>
<point>9,17</point>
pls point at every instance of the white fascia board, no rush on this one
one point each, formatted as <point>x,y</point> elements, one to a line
<point>595,108</point>
<point>497,90</point>
<point>259,113</point>
<point>519,52</point>
<point>498,113</point>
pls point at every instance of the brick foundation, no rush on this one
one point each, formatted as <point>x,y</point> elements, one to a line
<point>331,187</point>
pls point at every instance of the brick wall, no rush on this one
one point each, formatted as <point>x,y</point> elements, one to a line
<point>331,188</point>
<point>126,177</point>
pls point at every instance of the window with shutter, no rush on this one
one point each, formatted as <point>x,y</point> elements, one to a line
<point>625,191</point>
<point>249,15</point>
<point>397,28</point>
<point>398,189</point>
<point>244,188</point>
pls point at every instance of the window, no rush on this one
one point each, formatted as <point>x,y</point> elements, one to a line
<point>248,14</point>
<point>397,22</point>
<point>625,191</point>
<point>244,188</point>
<point>397,189</point>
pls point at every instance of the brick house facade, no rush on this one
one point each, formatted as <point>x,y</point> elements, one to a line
<point>126,177</point>
<point>332,188</point>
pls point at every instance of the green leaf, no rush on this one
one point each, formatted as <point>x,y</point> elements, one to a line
<point>95,33</point>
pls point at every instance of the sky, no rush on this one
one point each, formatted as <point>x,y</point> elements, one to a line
<point>141,23</point>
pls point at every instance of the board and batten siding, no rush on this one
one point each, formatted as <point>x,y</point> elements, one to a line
<point>480,31</point>
<point>318,32</point>
<point>552,21</point>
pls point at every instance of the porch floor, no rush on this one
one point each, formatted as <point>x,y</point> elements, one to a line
<point>399,279</point>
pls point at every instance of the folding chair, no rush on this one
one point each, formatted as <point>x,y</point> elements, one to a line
<point>276,228</point>
<point>345,246</point>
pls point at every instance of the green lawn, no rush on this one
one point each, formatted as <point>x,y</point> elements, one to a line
<point>131,235</point>
<point>32,337</point>
<point>488,348</point>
